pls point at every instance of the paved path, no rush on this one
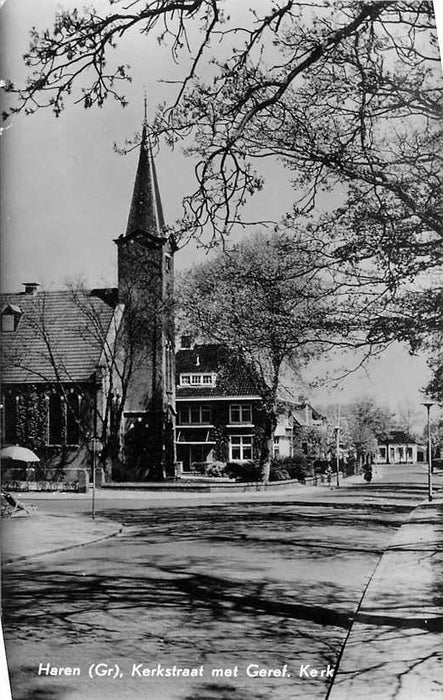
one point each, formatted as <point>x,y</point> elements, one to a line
<point>394,647</point>
<point>38,534</point>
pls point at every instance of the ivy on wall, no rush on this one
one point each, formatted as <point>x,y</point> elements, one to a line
<point>31,417</point>
<point>219,435</point>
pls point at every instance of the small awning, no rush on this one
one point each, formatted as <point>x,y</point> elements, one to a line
<point>194,438</point>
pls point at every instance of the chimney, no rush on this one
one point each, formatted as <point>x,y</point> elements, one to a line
<point>31,288</point>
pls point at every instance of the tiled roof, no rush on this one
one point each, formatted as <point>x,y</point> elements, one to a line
<point>201,358</point>
<point>70,326</point>
<point>234,376</point>
<point>397,437</point>
<point>241,389</point>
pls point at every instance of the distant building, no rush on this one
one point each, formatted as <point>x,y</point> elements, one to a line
<point>399,448</point>
<point>291,430</point>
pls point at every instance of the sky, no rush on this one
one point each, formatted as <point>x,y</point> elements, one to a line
<point>65,196</point>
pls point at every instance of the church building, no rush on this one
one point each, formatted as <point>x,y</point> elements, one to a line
<point>91,372</point>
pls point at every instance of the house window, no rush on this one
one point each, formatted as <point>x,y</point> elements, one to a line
<point>197,379</point>
<point>11,316</point>
<point>240,413</point>
<point>8,323</point>
<point>72,419</point>
<point>195,414</point>
<point>240,448</point>
<point>55,420</point>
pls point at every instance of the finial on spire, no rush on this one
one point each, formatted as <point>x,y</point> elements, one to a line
<point>145,119</point>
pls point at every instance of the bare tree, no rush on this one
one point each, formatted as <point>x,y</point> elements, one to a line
<point>347,97</point>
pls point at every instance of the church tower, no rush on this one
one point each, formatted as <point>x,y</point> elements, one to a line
<point>145,288</point>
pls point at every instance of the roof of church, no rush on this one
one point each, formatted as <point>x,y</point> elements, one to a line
<point>234,376</point>
<point>67,326</point>
<point>146,212</point>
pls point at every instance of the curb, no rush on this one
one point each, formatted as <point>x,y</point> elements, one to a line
<point>38,555</point>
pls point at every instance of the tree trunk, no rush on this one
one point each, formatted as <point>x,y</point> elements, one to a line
<point>266,464</point>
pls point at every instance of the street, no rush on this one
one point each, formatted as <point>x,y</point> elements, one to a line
<point>211,598</point>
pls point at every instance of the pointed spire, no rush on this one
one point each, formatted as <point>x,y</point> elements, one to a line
<point>146,212</point>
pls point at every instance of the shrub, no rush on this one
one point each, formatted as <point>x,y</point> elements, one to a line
<point>244,471</point>
<point>296,467</point>
<point>278,474</point>
<point>215,469</point>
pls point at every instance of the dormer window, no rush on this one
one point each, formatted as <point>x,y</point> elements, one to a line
<point>198,379</point>
<point>11,316</point>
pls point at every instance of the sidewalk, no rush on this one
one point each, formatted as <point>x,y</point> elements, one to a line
<point>38,534</point>
<point>394,647</point>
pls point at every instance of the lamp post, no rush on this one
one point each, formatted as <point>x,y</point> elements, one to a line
<point>337,453</point>
<point>428,405</point>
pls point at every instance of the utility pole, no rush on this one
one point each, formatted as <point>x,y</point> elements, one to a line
<point>337,454</point>
<point>428,405</point>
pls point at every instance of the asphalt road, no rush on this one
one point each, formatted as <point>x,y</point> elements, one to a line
<point>203,599</point>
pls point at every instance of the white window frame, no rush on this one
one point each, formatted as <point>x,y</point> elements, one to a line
<point>189,410</point>
<point>245,442</point>
<point>241,408</point>
<point>8,323</point>
<point>197,379</point>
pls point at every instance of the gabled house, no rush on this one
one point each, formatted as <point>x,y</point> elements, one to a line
<point>219,413</point>
<point>82,363</point>
<point>293,422</point>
